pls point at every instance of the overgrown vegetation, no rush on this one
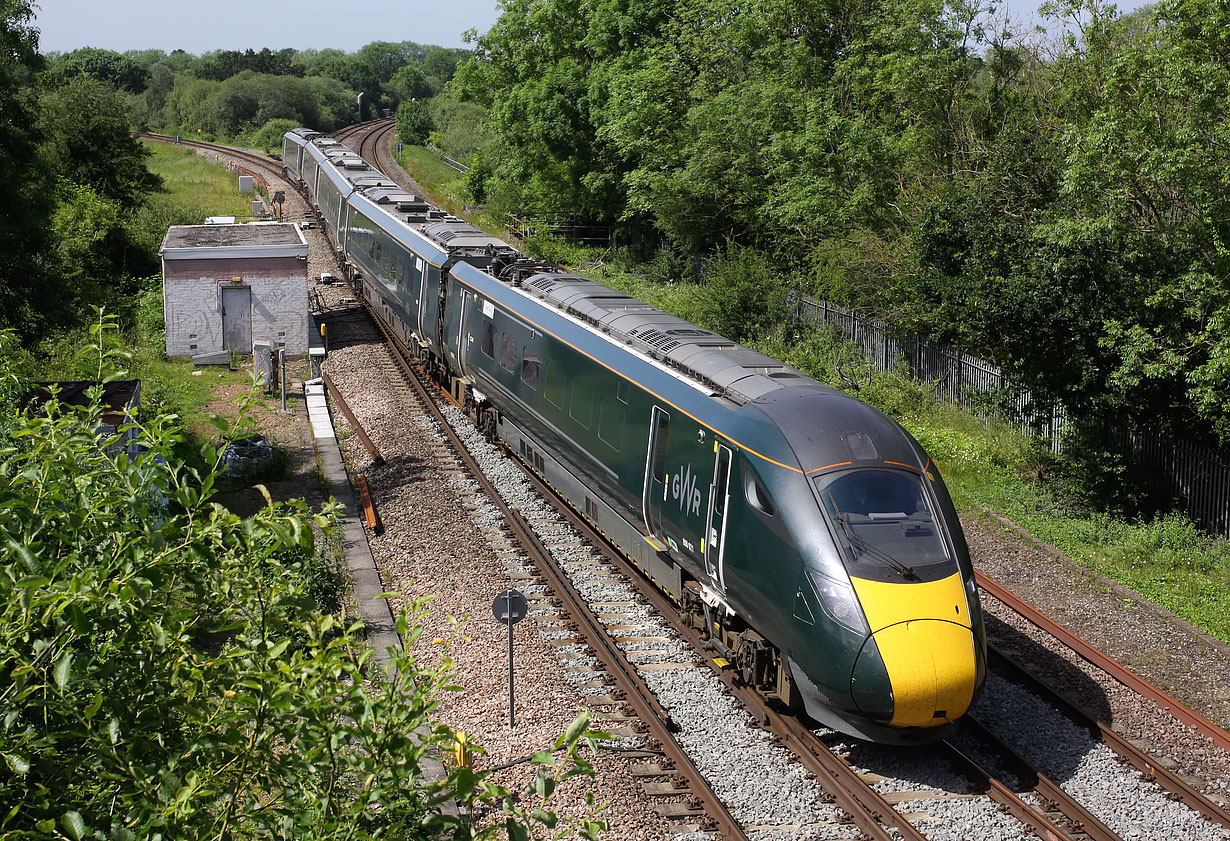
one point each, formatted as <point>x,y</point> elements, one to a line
<point>173,669</point>
<point>1057,206</point>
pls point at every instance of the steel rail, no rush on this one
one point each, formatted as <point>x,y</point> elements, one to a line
<point>1084,821</point>
<point>354,422</point>
<point>868,809</point>
<point>636,692</point>
<point>1031,818</point>
<point>1134,756</point>
<point>1118,671</point>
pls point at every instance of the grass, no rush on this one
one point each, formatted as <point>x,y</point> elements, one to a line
<point>445,188</point>
<point>194,180</point>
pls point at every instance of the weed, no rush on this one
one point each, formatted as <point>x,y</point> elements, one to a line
<point>318,478</point>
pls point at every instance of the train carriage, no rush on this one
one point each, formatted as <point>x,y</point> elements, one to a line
<point>806,533</point>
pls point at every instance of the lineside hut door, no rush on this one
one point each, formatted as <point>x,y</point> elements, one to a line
<point>715,532</point>
<point>237,318</point>
<point>655,471</point>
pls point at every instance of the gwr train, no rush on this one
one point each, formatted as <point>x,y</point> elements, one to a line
<point>804,532</point>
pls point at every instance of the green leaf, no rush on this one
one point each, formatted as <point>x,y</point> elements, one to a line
<point>73,824</point>
<point>63,671</point>
<point>516,832</point>
<point>575,729</point>
<point>547,819</point>
<point>18,764</point>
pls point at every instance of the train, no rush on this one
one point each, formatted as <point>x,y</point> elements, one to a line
<point>804,533</point>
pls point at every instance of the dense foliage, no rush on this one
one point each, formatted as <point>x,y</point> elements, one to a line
<point>228,93</point>
<point>169,669</point>
<point>82,217</point>
<point>1058,207</point>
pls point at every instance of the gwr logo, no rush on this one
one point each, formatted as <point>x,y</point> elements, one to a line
<point>684,489</point>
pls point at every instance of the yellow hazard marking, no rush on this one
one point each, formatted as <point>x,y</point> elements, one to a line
<point>720,663</point>
<point>924,638</point>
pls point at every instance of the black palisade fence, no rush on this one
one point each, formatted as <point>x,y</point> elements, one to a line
<point>1199,476</point>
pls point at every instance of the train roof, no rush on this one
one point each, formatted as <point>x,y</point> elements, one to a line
<point>729,369</point>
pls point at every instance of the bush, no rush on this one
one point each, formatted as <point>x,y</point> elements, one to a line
<point>173,670</point>
<point>413,122</point>
<point>745,295</point>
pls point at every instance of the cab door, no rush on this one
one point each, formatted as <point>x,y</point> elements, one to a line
<point>719,503</point>
<point>654,493</point>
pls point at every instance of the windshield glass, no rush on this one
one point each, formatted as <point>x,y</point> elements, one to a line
<point>884,519</point>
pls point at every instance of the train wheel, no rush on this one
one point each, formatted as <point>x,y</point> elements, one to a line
<point>754,659</point>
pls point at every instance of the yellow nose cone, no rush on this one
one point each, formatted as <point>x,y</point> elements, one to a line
<point>922,631</point>
<point>930,665</point>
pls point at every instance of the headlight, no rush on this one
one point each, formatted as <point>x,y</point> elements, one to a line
<point>839,602</point>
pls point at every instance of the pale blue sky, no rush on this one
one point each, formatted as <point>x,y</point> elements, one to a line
<point>198,26</point>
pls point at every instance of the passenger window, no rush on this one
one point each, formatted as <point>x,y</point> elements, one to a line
<point>488,342</point>
<point>508,352</point>
<point>659,453</point>
<point>529,368</point>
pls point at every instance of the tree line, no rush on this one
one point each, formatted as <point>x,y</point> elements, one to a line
<point>82,217</point>
<point>232,93</point>
<point>1055,203</point>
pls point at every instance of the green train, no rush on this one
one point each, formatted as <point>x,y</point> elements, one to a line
<point>805,533</point>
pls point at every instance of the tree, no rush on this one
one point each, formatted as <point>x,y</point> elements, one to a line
<point>106,66</point>
<point>28,289</point>
<point>413,122</point>
<point>85,125</point>
<point>1150,161</point>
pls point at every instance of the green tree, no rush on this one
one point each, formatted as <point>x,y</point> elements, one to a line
<point>29,290</point>
<point>413,122</point>
<point>109,67</point>
<point>85,126</point>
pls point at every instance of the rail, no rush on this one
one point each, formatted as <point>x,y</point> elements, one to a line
<point>636,693</point>
<point>1172,706</point>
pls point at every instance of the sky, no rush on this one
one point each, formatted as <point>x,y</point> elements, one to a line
<point>198,26</point>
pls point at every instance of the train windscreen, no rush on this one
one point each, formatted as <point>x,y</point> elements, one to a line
<point>885,523</point>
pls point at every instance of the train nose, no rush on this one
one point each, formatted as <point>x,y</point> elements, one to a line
<point>930,666</point>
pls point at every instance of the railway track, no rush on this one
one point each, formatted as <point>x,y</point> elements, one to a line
<point>995,771</point>
<point>668,773</point>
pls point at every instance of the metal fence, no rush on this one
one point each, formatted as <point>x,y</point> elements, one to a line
<point>455,164</point>
<point>1198,476</point>
<point>958,377</point>
<point>568,227</point>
